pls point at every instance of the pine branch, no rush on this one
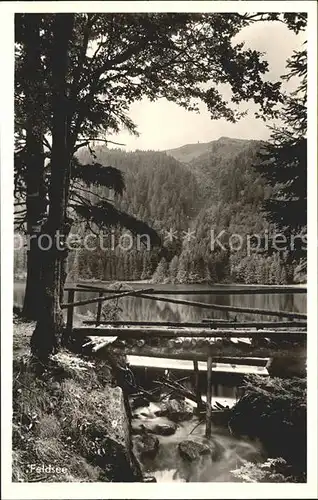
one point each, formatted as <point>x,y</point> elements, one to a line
<point>98,175</point>
<point>105,215</point>
<point>92,139</point>
<point>79,146</point>
<point>83,200</point>
<point>91,192</point>
<point>106,141</point>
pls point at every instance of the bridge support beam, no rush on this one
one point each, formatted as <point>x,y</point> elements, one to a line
<point>209,399</point>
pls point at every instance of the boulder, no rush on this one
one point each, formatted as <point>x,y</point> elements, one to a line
<point>147,445</point>
<point>177,410</point>
<point>153,428</point>
<point>192,450</point>
<point>164,429</point>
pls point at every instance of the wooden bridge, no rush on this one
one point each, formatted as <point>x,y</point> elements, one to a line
<point>284,336</point>
<point>208,341</point>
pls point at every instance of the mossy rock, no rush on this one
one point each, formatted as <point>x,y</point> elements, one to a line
<point>192,450</point>
<point>154,428</point>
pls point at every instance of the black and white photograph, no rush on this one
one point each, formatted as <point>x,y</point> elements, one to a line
<point>163,159</point>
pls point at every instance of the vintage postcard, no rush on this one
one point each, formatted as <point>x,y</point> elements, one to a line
<point>159,249</point>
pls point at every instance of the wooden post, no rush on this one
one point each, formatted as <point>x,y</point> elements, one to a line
<point>99,309</point>
<point>70,313</point>
<point>208,398</point>
<point>197,385</point>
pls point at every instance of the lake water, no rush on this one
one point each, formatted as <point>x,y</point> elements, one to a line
<point>138,309</point>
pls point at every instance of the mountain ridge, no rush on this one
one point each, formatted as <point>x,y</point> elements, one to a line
<point>188,152</point>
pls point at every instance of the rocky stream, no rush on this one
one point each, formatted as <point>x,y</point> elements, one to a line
<point>169,441</point>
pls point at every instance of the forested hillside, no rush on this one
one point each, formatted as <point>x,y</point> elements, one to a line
<point>190,195</point>
<point>159,191</point>
<point>157,186</point>
<point>232,193</point>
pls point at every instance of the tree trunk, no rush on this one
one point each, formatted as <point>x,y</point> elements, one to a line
<point>67,229</point>
<point>33,289</point>
<point>35,187</point>
<point>47,335</point>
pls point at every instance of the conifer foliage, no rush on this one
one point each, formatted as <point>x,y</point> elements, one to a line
<point>284,159</point>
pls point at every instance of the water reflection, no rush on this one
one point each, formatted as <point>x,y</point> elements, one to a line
<point>136,308</point>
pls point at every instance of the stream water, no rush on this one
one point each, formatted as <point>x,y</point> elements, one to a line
<point>168,465</point>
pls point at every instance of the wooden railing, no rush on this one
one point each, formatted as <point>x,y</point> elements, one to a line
<point>105,294</point>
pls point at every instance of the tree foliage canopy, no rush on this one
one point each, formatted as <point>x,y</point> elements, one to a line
<point>284,159</point>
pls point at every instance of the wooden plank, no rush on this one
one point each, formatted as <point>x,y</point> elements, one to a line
<point>221,307</point>
<point>186,365</point>
<point>291,335</point>
<point>214,323</point>
<point>219,349</point>
<point>102,299</point>
<point>239,290</point>
<point>209,399</point>
<point>256,324</point>
<point>242,360</point>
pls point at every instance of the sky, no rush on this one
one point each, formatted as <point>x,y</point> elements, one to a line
<point>165,125</point>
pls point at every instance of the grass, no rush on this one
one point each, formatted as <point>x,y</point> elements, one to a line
<point>70,415</point>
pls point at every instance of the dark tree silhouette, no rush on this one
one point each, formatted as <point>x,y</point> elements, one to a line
<point>284,160</point>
